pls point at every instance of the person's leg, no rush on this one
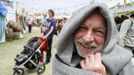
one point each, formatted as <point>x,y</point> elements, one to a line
<point>30,29</point>
<point>40,30</point>
<point>48,57</point>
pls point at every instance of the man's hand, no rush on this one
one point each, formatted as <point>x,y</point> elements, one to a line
<point>93,63</point>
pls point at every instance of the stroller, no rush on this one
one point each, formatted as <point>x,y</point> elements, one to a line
<point>31,56</point>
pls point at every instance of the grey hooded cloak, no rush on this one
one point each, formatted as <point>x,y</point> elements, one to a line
<point>116,59</point>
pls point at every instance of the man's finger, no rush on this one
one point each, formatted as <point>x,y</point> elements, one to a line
<point>91,58</point>
<point>98,57</point>
<point>82,64</point>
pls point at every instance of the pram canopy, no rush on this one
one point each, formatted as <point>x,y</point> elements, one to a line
<point>28,50</point>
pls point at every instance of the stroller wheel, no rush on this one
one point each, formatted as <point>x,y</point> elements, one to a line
<point>19,71</point>
<point>41,69</point>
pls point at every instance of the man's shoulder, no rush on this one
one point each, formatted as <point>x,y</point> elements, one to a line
<point>128,20</point>
<point>128,69</point>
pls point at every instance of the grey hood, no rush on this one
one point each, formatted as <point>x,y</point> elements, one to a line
<point>113,56</point>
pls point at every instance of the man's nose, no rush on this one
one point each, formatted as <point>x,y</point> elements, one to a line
<point>88,36</point>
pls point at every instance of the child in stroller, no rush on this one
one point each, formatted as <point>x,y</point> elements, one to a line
<point>32,56</point>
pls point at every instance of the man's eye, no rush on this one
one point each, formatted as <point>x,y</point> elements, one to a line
<point>82,28</point>
<point>99,32</point>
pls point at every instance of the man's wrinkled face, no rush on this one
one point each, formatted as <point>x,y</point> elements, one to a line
<point>90,36</point>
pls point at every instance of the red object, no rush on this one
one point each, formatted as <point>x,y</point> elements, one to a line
<point>43,47</point>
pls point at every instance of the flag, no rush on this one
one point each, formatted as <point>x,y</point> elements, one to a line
<point>125,2</point>
<point>118,5</point>
<point>92,2</point>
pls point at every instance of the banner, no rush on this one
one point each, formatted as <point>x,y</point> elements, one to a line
<point>125,2</point>
<point>3,10</point>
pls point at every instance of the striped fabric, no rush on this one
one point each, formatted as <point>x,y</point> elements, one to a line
<point>2,28</point>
